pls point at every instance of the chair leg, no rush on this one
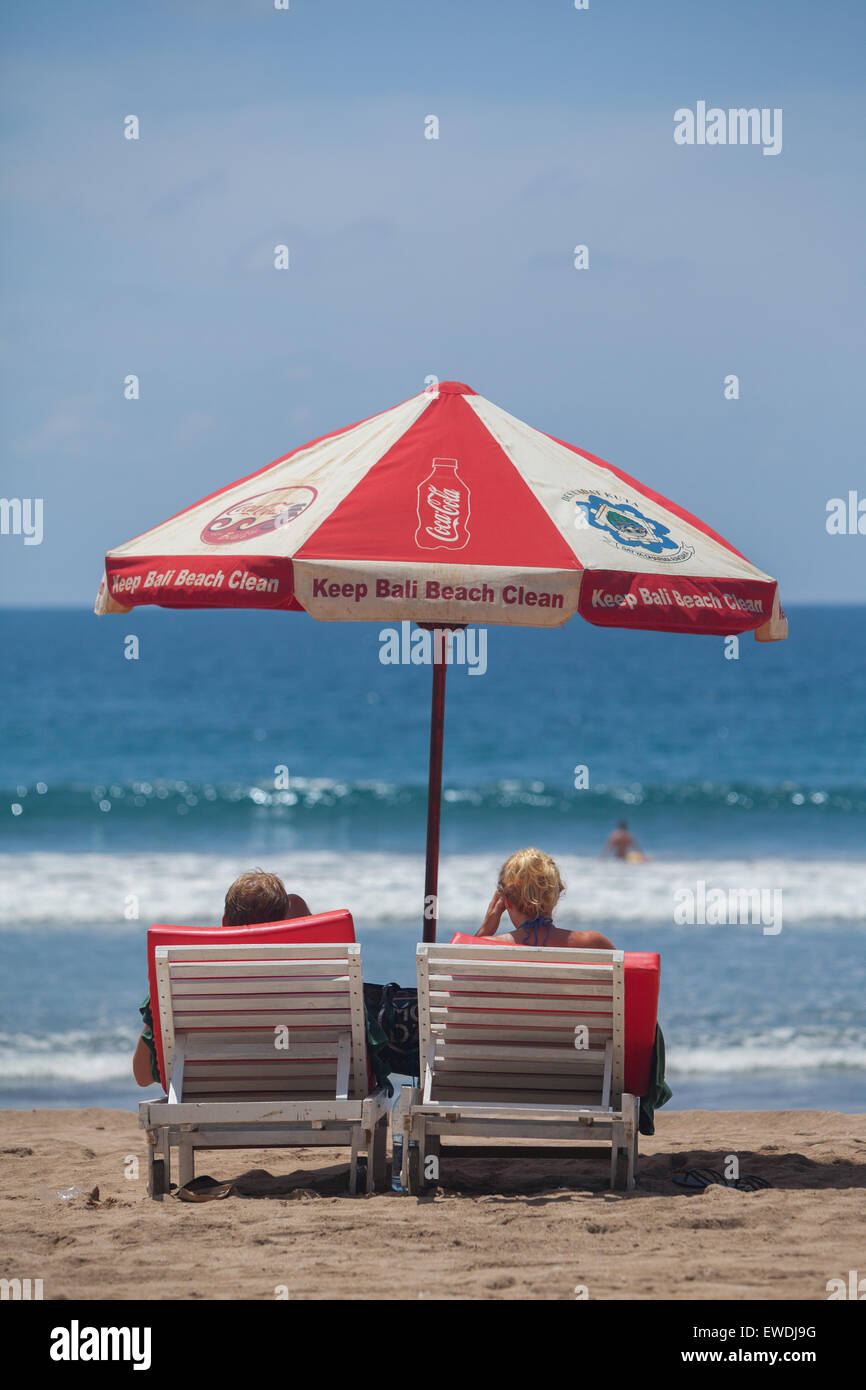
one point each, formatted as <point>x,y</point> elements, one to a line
<point>422,1154</point>
<point>409,1095</point>
<point>404,1167</point>
<point>155,1168</point>
<point>632,1167</point>
<point>165,1147</point>
<point>432,1149</point>
<point>353,1165</point>
<point>185,1162</point>
<point>616,1143</point>
<point>379,1156</point>
<point>415,1167</point>
<point>370,1145</point>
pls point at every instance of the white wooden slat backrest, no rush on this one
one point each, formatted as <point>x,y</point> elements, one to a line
<point>262,1022</point>
<point>522,1025</point>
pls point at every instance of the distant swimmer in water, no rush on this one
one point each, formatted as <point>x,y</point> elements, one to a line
<point>623,845</point>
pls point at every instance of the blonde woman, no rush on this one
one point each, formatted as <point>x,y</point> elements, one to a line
<point>528,890</point>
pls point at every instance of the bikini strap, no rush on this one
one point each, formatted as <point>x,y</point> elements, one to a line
<point>534,926</point>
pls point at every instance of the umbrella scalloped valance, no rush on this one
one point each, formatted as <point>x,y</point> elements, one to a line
<point>446,510</point>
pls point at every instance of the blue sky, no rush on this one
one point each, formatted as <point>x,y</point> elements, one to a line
<point>412,256</point>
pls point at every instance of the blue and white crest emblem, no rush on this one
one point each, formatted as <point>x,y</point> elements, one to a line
<point>627,527</point>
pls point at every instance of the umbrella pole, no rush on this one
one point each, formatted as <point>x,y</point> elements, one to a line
<point>434,788</point>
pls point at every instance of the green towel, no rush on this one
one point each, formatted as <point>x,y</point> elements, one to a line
<point>376,1042</point>
<point>147,1034</point>
<point>659,1092</point>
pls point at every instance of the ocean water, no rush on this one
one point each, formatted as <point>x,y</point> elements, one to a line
<point>134,791</point>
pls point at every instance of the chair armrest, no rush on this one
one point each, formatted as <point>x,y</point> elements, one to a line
<point>376,1105</point>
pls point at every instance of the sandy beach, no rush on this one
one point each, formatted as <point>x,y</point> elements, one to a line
<point>498,1229</point>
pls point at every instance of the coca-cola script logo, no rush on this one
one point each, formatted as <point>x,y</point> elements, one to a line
<point>256,516</point>
<point>443,508</point>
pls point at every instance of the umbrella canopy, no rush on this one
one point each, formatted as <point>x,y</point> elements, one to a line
<point>446,510</point>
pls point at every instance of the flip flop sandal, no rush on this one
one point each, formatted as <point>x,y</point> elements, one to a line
<point>699,1178</point>
<point>749,1183</point>
<point>205,1190</point>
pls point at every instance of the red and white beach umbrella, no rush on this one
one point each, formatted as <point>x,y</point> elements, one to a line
<point>446,511</point>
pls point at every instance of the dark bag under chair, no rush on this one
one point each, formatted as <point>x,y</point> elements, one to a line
<point>395,1009</point>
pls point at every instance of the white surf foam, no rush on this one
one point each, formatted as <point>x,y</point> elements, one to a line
<point>75,1056</point>
<point>384,890</point>
<point>83,1059</point>
<point>776,1050</point>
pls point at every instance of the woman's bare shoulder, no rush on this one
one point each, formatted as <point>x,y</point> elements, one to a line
<point>589,941</point>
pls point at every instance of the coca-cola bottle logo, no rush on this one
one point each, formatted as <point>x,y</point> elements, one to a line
<point>443,508</point>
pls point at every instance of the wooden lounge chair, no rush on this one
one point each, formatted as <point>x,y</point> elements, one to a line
<point>262,1046</point>
<point>519,1043</point>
